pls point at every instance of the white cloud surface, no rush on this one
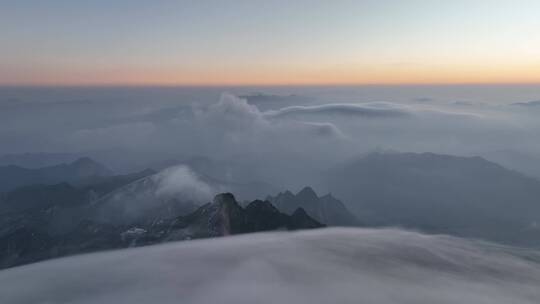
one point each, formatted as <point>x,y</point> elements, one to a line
<point>320,266</point>
<point>182,183</point>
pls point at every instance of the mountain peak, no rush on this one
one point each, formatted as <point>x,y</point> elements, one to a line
<point>288,193</point>
<point>263,205</point>
<point>227,215</point>
<point>89,167</point>
<point>307,193</point>
<point>225,199</point>
<point>300,212</point>
<point>326,209</point>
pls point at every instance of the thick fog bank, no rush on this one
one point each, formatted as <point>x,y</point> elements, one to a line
<point>261,135</point>
<point>320,266</point>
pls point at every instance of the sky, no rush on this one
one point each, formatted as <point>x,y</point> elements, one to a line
<point>61,42</point>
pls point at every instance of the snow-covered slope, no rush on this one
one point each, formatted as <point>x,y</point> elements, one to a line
<point>318,266</point>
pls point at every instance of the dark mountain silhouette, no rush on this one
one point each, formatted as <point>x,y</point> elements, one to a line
<point>224,216</point>
<point>465,196</point>
<point>12,176</point>
<point>325,209</point>
<point>33,236</point>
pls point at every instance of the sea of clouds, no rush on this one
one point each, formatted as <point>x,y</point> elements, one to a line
<point>283,139</point>
<point>337,265</point>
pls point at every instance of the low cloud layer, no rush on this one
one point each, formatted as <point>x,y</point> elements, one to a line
<point>283,139</point>
<point>376,110</point>
<point>321,266</point>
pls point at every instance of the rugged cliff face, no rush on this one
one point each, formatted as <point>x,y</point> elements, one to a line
<point>31,237</point>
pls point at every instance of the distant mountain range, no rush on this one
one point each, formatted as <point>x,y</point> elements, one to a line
<point>81,207</point>
<point>37,160</point>
<point>325,209</point>
<point>12,176</point>
<point>464,196</point>
<point>93,210</point>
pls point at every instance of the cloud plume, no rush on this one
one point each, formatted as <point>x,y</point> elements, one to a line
<point>367,110</point>
<point>263,140</point>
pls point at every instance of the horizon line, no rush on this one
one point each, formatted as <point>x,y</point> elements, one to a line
<point>230,85</point>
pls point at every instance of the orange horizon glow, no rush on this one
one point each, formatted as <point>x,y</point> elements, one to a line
<point>242,77</point>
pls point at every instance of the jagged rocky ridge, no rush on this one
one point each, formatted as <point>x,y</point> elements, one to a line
<point>325,209</point>
<point>24,243</point>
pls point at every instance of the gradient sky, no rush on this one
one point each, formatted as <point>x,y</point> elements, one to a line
<point>132,42</point>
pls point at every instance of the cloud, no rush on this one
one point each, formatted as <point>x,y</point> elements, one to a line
<point>373,110</point>
<point>321,266</point>
<point>304,135</point>
<point>232,110</point>
<point>182,183</point>
<point>535,103</point>
<point>234,120</point>
<point>265,102</point>
<point>366,110</point>
<point>177,185</point>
